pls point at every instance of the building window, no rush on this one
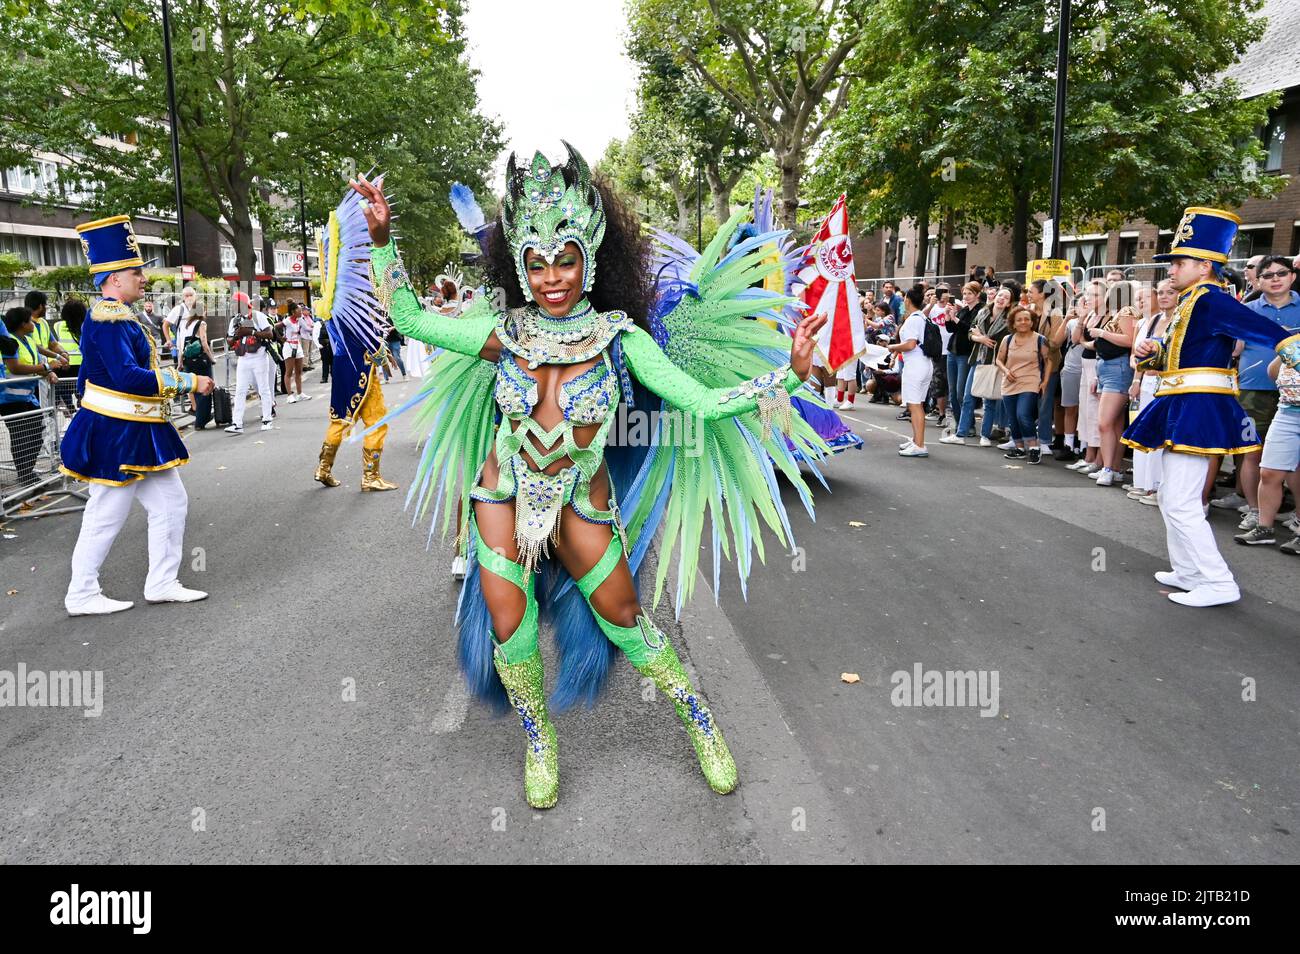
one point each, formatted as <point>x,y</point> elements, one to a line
<point>932,254</point>
<point>1252,242</point>
<point>902,252</point>
<point>1274,138</point>
<point>1128,251</point>
<point>1084,254</point>
<point>20,180</point>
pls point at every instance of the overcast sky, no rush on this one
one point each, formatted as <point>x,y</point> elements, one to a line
<point>526,51</point>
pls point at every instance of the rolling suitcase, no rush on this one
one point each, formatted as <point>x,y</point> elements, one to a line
<point>221,408</point>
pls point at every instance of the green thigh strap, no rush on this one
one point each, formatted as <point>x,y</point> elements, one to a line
<point>603,568</point>
<point>523,642</point>
<point>638,645</point>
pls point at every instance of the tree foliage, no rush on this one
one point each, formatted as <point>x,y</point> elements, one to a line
<point>962,116</point>
<point>783,66</point>
<point>268,94</point>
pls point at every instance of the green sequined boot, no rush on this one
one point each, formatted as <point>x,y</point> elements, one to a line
<point>523,682</point>
<point>665,669</point>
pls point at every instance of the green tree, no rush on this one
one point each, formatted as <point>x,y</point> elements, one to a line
<point>322,72</point>
<point>1151,125</point>
<point>782,65</point>
<point>11,266</point>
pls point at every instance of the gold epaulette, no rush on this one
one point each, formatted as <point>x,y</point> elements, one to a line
<point>108,309</point>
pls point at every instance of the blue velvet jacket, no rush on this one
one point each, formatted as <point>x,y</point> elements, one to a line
<point>1204,417</point>
<point>354,372</point>
<point>120,359</point>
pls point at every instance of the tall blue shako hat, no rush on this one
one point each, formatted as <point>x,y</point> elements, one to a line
<point>110,246</point>
<point>1203,233</point>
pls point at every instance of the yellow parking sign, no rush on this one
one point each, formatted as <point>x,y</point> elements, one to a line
<point>1048,268</point>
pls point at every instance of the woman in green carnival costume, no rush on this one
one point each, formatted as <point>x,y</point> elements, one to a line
<point>539,489</point>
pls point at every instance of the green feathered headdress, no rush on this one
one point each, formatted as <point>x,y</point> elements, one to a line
<point>546,206</point>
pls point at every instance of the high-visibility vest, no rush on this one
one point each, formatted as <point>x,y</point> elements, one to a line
<point>42,333</point>
<point>67,342</point>
<point>25,392</point>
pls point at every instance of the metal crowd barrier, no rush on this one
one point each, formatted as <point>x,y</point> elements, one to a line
<point>30,443</point>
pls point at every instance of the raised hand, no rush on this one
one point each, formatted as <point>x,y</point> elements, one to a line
<point>379,218</point>
<point>801,347</point>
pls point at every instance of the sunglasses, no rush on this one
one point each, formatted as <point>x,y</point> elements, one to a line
<point>1274,275</point>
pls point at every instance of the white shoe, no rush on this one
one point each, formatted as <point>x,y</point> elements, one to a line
<point>1292,522</point>
<point>1170,578</point>
<point>985,442</point>
<point>458,567</point>
<point>293,399</point>
<point>267,425</point>
<point>1207,596</point>
<point>952,439</point>
<point>234,429</point>
<point>176,593</point>
<point>304,397</point>
<point>1231,502</point>
<point>1250,521</point>
<point>97,605</point>
<point>1151,500</point>
<point>1090,469</point>
<point>1007,445</point>
<point>905,444</point>
<point>1106,478</point>
<point>1077,465</point>
<point>913,451</point>
<point>1136,494</point>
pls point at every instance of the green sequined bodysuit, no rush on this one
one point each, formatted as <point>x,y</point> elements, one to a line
<point>530,335</point>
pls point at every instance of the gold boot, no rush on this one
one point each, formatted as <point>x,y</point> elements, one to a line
<point>326,464</point>
<point>370,479</point>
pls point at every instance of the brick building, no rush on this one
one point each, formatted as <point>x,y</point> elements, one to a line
<point>1268,225</point>
<point>45,234</point>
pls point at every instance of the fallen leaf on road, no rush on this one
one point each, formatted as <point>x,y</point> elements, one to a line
<point>850,677</point>
<point>12,592</point>
<point>222,467</point>
<point>259,442</point>
<point>1012,467</point>
<point>856,523</point>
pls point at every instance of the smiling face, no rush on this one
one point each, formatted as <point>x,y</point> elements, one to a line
<point>1002,299</point>
<point>556,286</point>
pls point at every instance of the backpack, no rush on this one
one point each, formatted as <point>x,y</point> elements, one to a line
<point>932,341</point>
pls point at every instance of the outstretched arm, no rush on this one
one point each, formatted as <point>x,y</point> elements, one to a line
<point>473,333</point>
<point>656,371</point>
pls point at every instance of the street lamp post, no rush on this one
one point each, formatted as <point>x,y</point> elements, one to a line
<point>172,122</point>
<point>1058,131</point>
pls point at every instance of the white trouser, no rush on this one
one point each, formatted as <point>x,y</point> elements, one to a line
<point>1193,552</point>
<point>163,497</point>
<point>1147,464</point>
<point>253,369</point>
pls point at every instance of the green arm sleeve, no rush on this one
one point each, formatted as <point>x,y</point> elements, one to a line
<point>654,369</point>
<point>465,334</point>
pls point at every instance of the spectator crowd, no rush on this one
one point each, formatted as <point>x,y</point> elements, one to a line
<point>1046,371</point>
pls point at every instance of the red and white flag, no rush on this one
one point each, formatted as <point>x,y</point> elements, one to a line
<point>831,289</point>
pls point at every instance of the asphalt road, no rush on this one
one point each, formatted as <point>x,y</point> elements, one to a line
<point>1120,732</point>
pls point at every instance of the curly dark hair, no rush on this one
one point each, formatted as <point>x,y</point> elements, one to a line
<point>622,262</point>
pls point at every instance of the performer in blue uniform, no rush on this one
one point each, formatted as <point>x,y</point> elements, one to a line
<point>121,441</point>
<point>1195,414</point>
